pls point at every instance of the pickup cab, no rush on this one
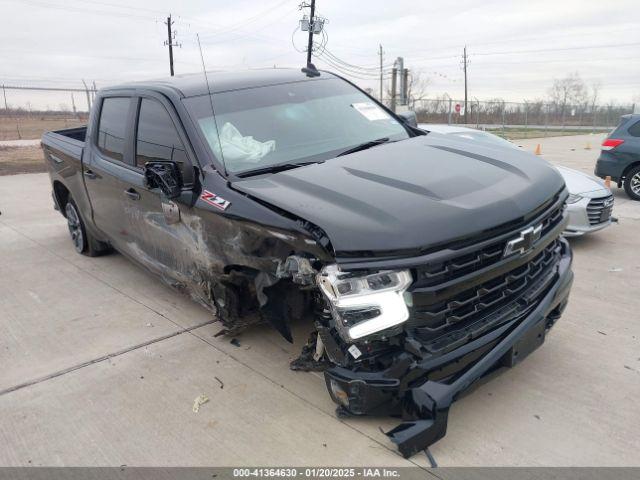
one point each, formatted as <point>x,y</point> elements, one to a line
<point>421,261</point>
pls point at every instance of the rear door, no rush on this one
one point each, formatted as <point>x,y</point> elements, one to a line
<point>632,140</point>
<point>108,165</point>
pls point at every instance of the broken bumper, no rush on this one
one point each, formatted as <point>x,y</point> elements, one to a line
<point>406,388</point>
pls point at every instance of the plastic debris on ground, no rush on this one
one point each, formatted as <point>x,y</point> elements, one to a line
<point>199,401</point>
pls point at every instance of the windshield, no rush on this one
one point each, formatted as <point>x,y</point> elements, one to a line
<point>290,123</point>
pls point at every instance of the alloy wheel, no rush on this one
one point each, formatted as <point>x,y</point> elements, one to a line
<point>635,183</point>
<point>75,228</point>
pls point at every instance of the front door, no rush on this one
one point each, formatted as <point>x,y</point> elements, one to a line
<point>167,235</point>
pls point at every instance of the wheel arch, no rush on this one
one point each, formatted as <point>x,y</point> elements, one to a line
<point>61,195</point>
<point>628,168</point>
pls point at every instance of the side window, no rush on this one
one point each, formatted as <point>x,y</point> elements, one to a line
<point>112,125</point>
<point>157,137</point>
<point>635,129</point>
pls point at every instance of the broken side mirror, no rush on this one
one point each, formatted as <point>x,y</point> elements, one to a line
<point>164,175</point>
<point>409,118</point>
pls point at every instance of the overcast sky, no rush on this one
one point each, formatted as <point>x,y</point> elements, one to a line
<point>516,48</point>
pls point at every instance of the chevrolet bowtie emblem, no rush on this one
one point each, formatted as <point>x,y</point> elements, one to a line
<point>524,242</point>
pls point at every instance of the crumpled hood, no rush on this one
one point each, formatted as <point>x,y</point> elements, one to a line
<point>411,194</point>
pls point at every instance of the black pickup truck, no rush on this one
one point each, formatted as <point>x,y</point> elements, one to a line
<point>423,261</point>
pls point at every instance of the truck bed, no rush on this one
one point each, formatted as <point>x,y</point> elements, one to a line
<point>77,133</point>
<point>64,145</point>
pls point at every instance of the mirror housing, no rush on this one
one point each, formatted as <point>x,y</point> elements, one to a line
<point>409,117</point>
<point>164,175</point>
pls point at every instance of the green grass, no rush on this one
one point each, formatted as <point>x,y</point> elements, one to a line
<point>520,133</point>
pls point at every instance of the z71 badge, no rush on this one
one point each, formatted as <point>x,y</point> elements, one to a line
<point>215,200</point>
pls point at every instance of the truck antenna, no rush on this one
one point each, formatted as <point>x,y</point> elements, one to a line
<point>215,122</point>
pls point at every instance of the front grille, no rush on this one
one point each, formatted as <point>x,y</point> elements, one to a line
<point>599,210</point>
<point>476,257</point>
<point>448,323</point>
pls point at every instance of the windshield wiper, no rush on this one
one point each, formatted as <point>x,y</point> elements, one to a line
<point>279,167</point>
<point>364,146</point>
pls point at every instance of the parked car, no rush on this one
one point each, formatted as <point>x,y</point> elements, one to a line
<point>270,194</point>
<point>620,156</point>
<point>590,202</point>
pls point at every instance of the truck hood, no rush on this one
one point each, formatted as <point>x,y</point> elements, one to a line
<point>411,194</point>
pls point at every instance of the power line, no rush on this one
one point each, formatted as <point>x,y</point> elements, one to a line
<point>72,9</point>
<point>354,71</point>
<point>351,65</point>
<point>541,50</point>
<point>243,23</point>
<point>350,73</point>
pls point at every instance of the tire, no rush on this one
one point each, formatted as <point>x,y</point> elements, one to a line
<point>83,241</point>
<point>632,183</point>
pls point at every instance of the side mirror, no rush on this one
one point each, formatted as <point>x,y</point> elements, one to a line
<point>409,118</point>
<point>164,175</point>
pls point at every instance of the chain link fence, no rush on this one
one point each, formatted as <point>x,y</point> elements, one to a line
<point>27,112</point>
<point>531,117</point>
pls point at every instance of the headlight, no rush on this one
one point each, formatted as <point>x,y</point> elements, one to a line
<point>363,305</point>
<point>573,198</point>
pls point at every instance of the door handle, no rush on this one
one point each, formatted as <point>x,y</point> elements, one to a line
<point>132,194</point>
<point>90,174</point>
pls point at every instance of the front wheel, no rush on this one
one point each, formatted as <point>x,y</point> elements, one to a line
<point>632,183</point>
<point>83,241</point>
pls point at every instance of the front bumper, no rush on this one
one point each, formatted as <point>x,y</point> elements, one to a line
<point>422,390</point>
<point>578,223</point>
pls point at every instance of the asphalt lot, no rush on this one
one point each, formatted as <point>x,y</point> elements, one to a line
<point>101,364</point>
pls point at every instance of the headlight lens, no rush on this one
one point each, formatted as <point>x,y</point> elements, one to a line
<point>573,198</point>
<point>363,305</point>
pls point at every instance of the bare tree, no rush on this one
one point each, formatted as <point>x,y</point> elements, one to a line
<point>567,91</point>
<point>595,92</point>
<point>417,86</point>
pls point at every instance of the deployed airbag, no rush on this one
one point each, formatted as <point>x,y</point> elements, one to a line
<point>235,146</point>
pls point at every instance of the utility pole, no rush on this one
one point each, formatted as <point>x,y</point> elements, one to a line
<point>405,85</point>
<point>171,36</point>
<point>394,74</point>
<point>400,71</point>
<point>312,15</point>
<point>381,58</point>
<point>465,62</point>
<point>4,92</point>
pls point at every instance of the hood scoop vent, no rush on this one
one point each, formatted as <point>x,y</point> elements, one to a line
<point>491,161</point>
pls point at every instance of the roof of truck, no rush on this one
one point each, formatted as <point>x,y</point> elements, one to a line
<point>193,84</point>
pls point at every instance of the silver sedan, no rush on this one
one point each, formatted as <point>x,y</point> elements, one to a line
<point>589,205</point>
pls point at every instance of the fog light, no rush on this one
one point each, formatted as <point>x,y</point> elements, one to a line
<point>338,393</point>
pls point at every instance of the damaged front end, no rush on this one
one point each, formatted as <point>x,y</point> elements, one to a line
<point>409,341</point>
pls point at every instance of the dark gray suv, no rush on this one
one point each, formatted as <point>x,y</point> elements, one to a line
<point>620,156</point>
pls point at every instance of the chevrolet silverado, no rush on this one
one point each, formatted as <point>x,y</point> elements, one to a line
<point>424,261</point>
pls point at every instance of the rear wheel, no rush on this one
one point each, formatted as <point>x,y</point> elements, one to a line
<point>632,183</point>
<point>83,241</point>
